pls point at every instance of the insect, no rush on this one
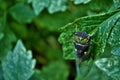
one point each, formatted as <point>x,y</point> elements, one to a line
<point>82,42</point>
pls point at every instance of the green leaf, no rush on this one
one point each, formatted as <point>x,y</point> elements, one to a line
<point>18,64</point>
<point>39,5</point>
<point>114,39</point>
<point>57,5</point>
<point>103,6</point>
<point>116,3</point>
<point>110,33</point>
<point>55,21</point>
<point>104,32</point>
<point>52,5</point>
<point>55,71</point>
<point>111,66</point>
<point>116,50</point>
<point>98,26</point>
<point>81,1</point>
<point>88,69</point>
<point>22,13</point>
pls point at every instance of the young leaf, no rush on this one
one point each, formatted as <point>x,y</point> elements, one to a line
<point>57,5</point>
<point>99,26</point>
<point>22,13</point>
<point>111,66</point>
<point>18,64</point>
<point>39,5</point>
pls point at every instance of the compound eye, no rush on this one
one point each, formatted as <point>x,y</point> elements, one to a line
<point>76,38</point>
<point>84,41</point>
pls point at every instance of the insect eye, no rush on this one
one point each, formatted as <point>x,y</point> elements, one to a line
<point>84,40</point>
<point>76,38</point>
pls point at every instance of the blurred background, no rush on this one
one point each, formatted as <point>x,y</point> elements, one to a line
<point>37,23</point>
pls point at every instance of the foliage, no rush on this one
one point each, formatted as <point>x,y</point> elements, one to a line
<point>22,13</point>
<point>52,5</point>
<point>110,66</point>
<point>94,25</point>
<point>18,62</point>
<point>104,30</point>
<point>38,23</point>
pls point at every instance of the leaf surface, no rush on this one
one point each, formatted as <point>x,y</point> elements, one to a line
<point>98,26</point>
<point>18,65</point>
<point>22,13</point>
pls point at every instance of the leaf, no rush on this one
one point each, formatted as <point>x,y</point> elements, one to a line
<point>45,20</point>
<point>96,25</point>
<point>111,66</point>
<point>103,6</point>
<point>88,69</point>
<point>57,5</point>
<point>39,5</point>
<point>18,64</point>
<point>116,3</point>
<point>81,1</point>
<point>84,70</point>
<point>52,5</point>
<point>114,39</point>
<point>104,32</point>
<point>116,50</point>
<point>22,13</point>
<point>55,71</point>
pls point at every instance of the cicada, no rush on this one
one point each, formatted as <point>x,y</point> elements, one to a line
<point>82,42</point>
